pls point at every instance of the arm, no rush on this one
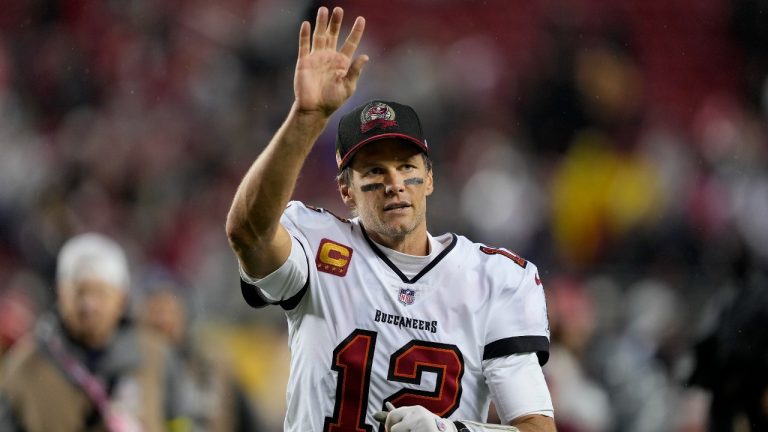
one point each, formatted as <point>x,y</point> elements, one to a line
<point>515,378</point>
<point>534,423</point>
<point>179,412</point>
<point>324,79</point>
<point>8,420</point>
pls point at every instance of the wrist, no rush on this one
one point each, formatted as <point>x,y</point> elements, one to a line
<point>318,115</point>
<point>471,426</point>
<point>308,124</point>
<point>445,425</point>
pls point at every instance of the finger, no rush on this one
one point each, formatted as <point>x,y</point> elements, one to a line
<point>406,426</point>
<point>352,75</point>
<point>304,39</point>
<point>389,424</point>
<point>380,416</point>
<point>321,26</point>
<point>400,428</point>
<point>394,417</point>
<point>335,27</point>
<point>353,40</point>
<point>411,422</point>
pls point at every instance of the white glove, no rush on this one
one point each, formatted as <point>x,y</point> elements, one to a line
<point>414,418</point>
<point>418,419</point>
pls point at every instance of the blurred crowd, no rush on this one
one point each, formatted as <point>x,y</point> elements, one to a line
<point>620,145</point>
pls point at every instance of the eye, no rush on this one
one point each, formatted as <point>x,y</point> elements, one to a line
<point>374,171</point>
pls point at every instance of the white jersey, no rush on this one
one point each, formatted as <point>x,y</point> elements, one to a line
<point>362,333</point>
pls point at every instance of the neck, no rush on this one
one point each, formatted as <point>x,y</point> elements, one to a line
<point>413,243</point>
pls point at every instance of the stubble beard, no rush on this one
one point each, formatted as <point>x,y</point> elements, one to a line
<point>376,224</point>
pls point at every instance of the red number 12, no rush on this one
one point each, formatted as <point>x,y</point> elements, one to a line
<point>353,358</point>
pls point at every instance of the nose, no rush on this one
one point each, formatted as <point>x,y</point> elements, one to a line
<point>90,302</point>
<point>394,183</point>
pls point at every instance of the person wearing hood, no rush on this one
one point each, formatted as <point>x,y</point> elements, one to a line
<point>86,366</point>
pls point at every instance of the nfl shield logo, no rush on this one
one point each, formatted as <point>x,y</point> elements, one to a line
<point>406,296</point>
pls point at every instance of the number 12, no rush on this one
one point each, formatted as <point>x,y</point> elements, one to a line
<point>353,359</point>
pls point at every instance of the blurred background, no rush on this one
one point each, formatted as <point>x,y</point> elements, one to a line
<point>620,145</point>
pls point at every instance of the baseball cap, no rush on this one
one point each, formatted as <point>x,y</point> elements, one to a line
<point>373,121</point>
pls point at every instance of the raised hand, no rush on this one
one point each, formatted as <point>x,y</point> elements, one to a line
<point>325,78</point>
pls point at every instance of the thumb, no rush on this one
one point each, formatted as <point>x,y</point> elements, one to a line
<point>356,68</point>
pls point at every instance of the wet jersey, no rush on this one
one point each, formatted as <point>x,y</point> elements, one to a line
<point>362,333</point>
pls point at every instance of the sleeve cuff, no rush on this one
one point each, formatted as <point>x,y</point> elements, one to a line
<point>286,282</point>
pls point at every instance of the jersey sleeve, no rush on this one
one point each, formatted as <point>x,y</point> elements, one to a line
<point>518,316</point>
<point>282,286</point>
<point>517,386</point>
<point>288,284</point>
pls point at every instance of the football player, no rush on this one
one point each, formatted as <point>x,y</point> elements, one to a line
<point>390,327</point>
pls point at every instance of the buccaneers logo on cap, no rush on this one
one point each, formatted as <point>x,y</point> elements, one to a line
<point>377,114</point>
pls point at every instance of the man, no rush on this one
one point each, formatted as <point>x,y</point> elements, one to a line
<point>732,355</point>
<point>88,368</point>
<point>386,322</point>
<point>216,402</point>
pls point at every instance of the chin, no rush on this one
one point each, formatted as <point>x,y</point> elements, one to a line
<point>95,340</point>
<point>396,226</point>
<point>397,230</point>
<point>93,335</point>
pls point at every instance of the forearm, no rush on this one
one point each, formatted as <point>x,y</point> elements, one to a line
<point>535,423</point>
<point>527,424</point>
<point>324,79</point>
<point>261,197</point>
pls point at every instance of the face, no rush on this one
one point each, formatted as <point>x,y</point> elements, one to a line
<point>389,189</point>
<point>164,313</point>
<point>91,310</point>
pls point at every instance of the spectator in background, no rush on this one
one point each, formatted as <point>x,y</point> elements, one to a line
<point>732,358</point>
<point>17,314</point>
<point>217,402</point>
<point>86,367</point>
<point>582,404</point>
<point>631,363</point>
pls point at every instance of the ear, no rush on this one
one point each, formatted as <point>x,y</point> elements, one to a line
<point>429,183</point>
<point>346,195</point>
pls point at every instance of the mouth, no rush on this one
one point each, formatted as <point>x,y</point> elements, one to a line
<point>396,206</point>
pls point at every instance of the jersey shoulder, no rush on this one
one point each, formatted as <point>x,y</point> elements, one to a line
<point>500,264</point>
<point>307,217</point>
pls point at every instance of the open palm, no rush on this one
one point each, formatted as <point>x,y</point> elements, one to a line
<point>325,78</point>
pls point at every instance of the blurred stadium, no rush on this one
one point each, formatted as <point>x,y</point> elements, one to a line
<point>621,145</point>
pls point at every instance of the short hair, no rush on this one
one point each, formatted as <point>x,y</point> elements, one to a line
<point>345,176</point>
<point>93,256</point>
